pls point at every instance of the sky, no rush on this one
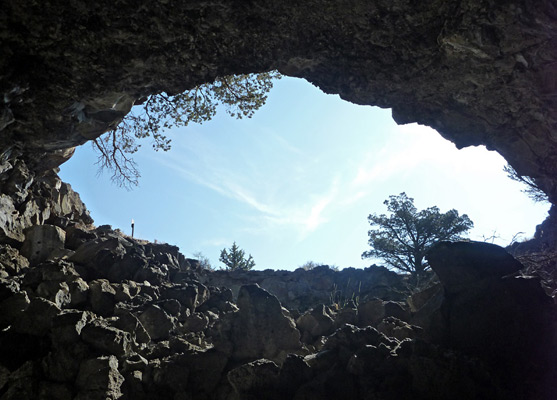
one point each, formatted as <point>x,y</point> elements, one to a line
<point>296,182</point>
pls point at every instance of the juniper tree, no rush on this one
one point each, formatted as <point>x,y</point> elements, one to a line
<point>403,238</point>
<point>234,259</point>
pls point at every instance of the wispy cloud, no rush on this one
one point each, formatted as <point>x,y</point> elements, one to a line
<point>304,213</point>
<point>221,181</point>
<point>316,215</point>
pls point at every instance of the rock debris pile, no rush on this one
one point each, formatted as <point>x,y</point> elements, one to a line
<point>89,313</point>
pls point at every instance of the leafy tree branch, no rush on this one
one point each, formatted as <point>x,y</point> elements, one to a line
<point>531,188</point>
<point>241,96</point>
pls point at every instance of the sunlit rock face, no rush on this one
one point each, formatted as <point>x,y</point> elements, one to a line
<point>480,72</point>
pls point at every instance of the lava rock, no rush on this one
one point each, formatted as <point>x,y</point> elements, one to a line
<point>262,328</point>
<point>98,378</point>
<point>157,322</point>
<point>41,241</point>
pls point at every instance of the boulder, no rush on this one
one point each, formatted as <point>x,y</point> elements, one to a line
<point>99,256</point>
<point>37,318</point>
<point>461,265</point>
<point>219,300</point>
<point>157,322</point>
<point>41,241</point>
<point>77,235</point>
<point>63,361</point>
<point>189,375</point>
<point>262,328</point>
<point>507,321</point>
<point>196,322</point>
<point>62,364</point>
<point>206,371</point>
<point>295,371</point>
<point>102,297</point>
<point>12,261</point>
<point>371,312</point>
<point>419,299</point>
<point>346,315</point>
<point>126,291</point>
<point>316,322</point>
<point>11,230</point>
<point>397,310</point>
<point>98,378</point>
<point>57,292</point>
<point>79,291</point>
<point>248,379</point>
<point>130,323</point>
<point>106,339</point>
<point>18,182</point>
<point>171,306</point>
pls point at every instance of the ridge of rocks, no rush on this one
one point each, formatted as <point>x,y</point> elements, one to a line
<point>89,313</point>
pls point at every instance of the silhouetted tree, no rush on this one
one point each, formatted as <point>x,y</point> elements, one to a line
<point>241,95</point>
<point>234,259</point>
<point>532,189</point>
<point>204,261</point>
<point>403,238</point>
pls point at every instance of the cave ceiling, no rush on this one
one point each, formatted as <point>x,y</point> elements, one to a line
<point>480,72</point>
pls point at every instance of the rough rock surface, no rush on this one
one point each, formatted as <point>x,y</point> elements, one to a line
<point>116,318</point>
<point>539,254</point>
<point>484,301</point>
<point>302,290</point>
<point>38,198</point>
<point>479,71</point>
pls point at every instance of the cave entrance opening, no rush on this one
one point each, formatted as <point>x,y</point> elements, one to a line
<point>297,181</point>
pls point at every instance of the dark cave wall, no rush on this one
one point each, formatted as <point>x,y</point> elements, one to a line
<point>480,72</point>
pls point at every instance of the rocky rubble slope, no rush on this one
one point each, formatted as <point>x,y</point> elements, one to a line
<point>89,313</point>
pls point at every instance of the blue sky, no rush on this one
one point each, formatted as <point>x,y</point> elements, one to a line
<point>297,181</point>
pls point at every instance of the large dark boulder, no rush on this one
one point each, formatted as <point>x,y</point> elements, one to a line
<point>461,265</point>
<point>261,328</point>
<point>491,312</point>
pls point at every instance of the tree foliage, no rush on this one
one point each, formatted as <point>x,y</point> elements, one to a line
<point>531,188</point>
<point>241,95</point>
<point>204,261</point>
<point>234,259</point>
<point>402,238</point>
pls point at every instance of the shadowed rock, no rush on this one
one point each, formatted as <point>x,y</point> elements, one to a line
<point>41,241</point>
<point>508,321</point>
<point>260,329</point>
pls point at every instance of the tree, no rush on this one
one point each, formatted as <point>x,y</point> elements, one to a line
<point>234,259</point>
<point>241,95</point>
<point>309,265</point>
<point>204,261</point>
<point>532,189</point>
<point>403,238</point>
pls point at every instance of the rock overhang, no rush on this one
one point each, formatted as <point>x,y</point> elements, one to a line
<point>478,71</point>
